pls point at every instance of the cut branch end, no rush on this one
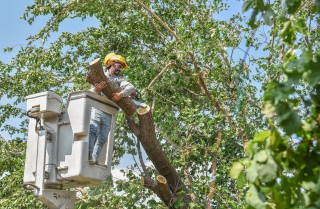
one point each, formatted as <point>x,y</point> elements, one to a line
<point>143,110</point>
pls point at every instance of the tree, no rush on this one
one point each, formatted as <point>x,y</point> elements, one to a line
<point>282,166</point>
<point>204,97</point>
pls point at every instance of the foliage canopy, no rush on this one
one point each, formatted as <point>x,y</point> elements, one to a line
<point>241,90</point>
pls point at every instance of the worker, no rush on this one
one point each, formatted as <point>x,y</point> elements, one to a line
<point>101,121</point>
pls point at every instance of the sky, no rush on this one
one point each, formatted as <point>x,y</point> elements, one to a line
<point>13,33</point>
<point>13,30</point>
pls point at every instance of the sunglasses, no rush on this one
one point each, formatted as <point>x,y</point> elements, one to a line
<point>118,65</point>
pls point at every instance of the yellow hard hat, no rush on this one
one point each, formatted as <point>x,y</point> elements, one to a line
<point>107,58</point>
<point>118,58</point>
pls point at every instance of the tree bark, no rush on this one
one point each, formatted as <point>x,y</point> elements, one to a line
<point>160,187</point>
<point>145,131</point>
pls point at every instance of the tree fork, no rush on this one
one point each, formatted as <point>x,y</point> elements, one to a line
<point>160,187</point>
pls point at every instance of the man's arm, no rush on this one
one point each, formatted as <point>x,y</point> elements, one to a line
<point>127,90</point>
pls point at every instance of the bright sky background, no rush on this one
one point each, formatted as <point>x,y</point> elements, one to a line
<point>13,30</point>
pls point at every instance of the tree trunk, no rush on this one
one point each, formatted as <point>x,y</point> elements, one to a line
<point>145,132</point>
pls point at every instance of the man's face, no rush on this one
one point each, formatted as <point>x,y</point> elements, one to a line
<point>116,68</point>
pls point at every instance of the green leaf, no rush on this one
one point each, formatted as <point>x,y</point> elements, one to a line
<point>269,109</point>
<point>293,5</point>
<point>261,136</point>
<point>275,139</point>
<point>288,119</point>
<point>152,203</point>
<point>280,199</point>
<point>308,185</point>
<point>312,76</point>
<point>267,172</point>
<point>300,25</point>
<point>294,77</point>
<point>249,4</point>
<point>255,199</point>
<point>288,32</point>
<point>236,170</point>
<point>241,181</point>
<point>292,123</point>
<point>261,156</point>
<point>268,15</point>
<point>193,205</point>
<point>179,203</point>
<point>251,172</point>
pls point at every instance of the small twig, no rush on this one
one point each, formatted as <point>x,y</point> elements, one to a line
<point>272,44</point>
<point>133,126</point>
<point>203,85</point>
<point>214,172</point>
<point>155,27</point>
<point>144,168</point>
<point>82,191</point>
<point>164,98</point>
<point>153,106</point>
<point>193,93</point>
<point>160,74</point>
<point>186,165</point>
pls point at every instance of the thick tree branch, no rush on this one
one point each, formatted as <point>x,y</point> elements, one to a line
<point>147,136</point>
<point>155,27</point>
<point>158,18</point>
<point>159,187</point>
